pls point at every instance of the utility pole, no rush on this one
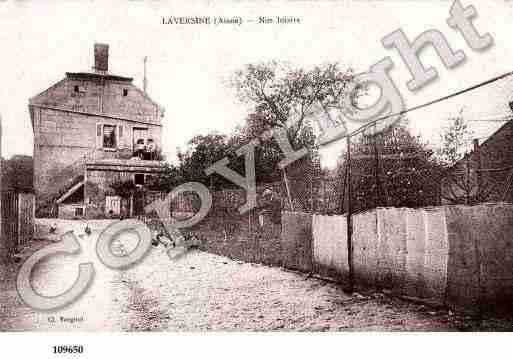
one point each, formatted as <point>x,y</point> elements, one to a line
<point>377,202</point>
<point>477,154</point>
<point>311,195</point>
<point>467,185</point>
<point>145,80</point>
<point>349,217</point>
<point>324,199</point>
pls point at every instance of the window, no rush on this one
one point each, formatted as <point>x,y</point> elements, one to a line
<point>139,179</point>
<point>79,211</point>
<point>109,136</point>
<point>125,92</point>
<point>76,89</point>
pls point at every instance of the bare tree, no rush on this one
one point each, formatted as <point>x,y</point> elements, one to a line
<point>463,181</point>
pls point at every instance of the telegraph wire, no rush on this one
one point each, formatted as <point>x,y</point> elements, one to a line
<point>444,98</point>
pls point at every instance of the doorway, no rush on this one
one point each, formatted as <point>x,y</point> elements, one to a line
<point>112,205</point>
<point>138,133</point>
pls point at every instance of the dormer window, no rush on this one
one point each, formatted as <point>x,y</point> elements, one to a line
<point>125,92</point>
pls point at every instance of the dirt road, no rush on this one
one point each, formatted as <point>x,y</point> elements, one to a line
<point>203,291</point>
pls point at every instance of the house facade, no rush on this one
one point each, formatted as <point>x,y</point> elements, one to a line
<point>485,174</point>
<point>92,129</point>
<point>3,244</point>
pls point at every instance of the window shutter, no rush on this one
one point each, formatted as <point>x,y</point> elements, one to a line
<point>99,135</point>
<point>120,136</point>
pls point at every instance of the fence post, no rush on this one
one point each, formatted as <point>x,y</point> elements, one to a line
<point>3,246</point>
<point>349,217</point>
<point>377,173</point>
<point>311,195</point>
<point>287,188</point>
<point>20,206</point>
<point>33,229</point>
<point>324,199</point>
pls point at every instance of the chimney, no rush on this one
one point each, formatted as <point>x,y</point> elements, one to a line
<point>101,58</point>
<point>476,145</point>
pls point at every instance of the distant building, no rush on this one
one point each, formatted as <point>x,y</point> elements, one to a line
<point>3,245</point>
<point>92,129</point>
<point>485,174</point>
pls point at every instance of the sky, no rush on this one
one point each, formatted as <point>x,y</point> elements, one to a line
<point>189,65</point>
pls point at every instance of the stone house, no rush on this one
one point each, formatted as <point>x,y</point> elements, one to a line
<point>485,174</point>
<point>92,129</point>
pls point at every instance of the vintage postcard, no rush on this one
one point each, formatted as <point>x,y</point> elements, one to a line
<point>263,166</point>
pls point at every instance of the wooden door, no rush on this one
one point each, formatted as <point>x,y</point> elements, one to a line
<point>113,205</point>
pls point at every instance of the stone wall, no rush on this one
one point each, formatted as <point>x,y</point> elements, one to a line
<point>460,256</point>
<point>399,249</point>
<point>402,250</point>
<point>480,266</point>
<point>296,241</point>
<point>330,245</point>
<point>366,256</point>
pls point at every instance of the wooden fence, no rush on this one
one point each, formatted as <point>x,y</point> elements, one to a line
<point>17,219</point>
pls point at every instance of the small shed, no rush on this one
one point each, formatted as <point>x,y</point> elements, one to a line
<point>71,203</point>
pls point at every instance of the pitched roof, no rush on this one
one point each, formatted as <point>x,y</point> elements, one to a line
<point>92,75</point>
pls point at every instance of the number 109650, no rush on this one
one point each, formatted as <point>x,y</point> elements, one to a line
<point>68,349</point>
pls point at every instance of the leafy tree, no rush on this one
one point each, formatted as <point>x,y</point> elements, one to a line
<point>404,175</point>
<point>462,182</point>
<point>277,94</point>
<point>291,98</point>
<point>125,189</point>
<point>268,154</point>
<point>280,94</point>
<point>203,151</point>
<point>455,140</point>
<point>18,174</point>
<point>166,181</point>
